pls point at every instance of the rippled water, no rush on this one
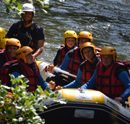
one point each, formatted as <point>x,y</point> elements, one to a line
<point>108,20</point>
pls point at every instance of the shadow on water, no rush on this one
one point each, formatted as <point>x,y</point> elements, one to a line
<point>108,20</point>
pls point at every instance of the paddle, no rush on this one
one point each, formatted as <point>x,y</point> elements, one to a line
<point>42,65</point>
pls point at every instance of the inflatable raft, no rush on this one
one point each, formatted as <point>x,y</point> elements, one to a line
<point>82,106</point>
<point>85,107</point>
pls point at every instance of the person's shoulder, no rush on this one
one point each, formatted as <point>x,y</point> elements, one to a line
<point>74,49</point>
<point>35,25</point>
<point>60,50</point>
<point>17,23</point>
<point>10,64</point>
<point>119,64</point>
<point>36,28</point>
<point>120,67</point>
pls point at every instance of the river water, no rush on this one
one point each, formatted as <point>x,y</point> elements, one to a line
<point>108,20</point>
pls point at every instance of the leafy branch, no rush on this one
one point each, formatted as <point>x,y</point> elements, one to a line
<point>19,106</point>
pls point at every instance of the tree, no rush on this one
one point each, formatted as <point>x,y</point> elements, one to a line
<point>16,5</point>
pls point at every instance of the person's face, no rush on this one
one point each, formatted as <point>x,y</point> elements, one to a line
<point>27,16</point>
<point>70,42</point>
<point>81,41</point>
<point>29,58</point>
<point>12,50</point>
<point>107,60</point>
<point>88,53</point>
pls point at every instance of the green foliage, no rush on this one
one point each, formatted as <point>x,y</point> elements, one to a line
<point>12,5</point>
<point>16,5</point>
<point>19,106</point>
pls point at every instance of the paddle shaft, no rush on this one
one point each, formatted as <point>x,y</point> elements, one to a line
<point>43,65</point>
<point>58,70</point>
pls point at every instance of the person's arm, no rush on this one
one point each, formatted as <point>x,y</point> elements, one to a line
<point>76,83</point>
<point>38,52</point>
<point>40,38</point>
<point>90,84</point>
<point>42,83</point>
<point>124,77</point>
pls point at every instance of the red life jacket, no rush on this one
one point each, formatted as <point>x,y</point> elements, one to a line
<point>31,75</point>
<point>75,61</point>
<point>87,70</point>
<point>60,55</point>
<point>4,57</point>
<point>4,72</point>
<point>107,80</point>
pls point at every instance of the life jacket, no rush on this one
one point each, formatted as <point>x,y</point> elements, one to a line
<point>75,61</point>
<point>4,56</point>
<point>107,80</point>
<point>87,70</point>
<point>60,55</point>
<point>31,73</point>
<point>4,72</point>
<point>126,63</point>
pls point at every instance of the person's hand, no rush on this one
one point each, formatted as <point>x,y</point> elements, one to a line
<point>33,56</point>
<point>81,90</point>
<point>38,52</point>
<point>58,87</point>
<point>9,95</point>
<point>52,85</point>
<point>50,68</point>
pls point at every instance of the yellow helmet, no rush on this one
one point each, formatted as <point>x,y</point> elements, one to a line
<point>87,44</point>
<point>2,38</point>
<point>23,52</point>
<point>85,34</point>
<point>13,42</point>
<point>2,33</point>
<point>70,33</point>
<point>108,50</point>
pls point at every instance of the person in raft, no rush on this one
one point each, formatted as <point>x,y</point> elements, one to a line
<point>28,32</point>
<point>110,76</point>
<point>70,38</point>
<point>86,68</point>
<point>24,65</point>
